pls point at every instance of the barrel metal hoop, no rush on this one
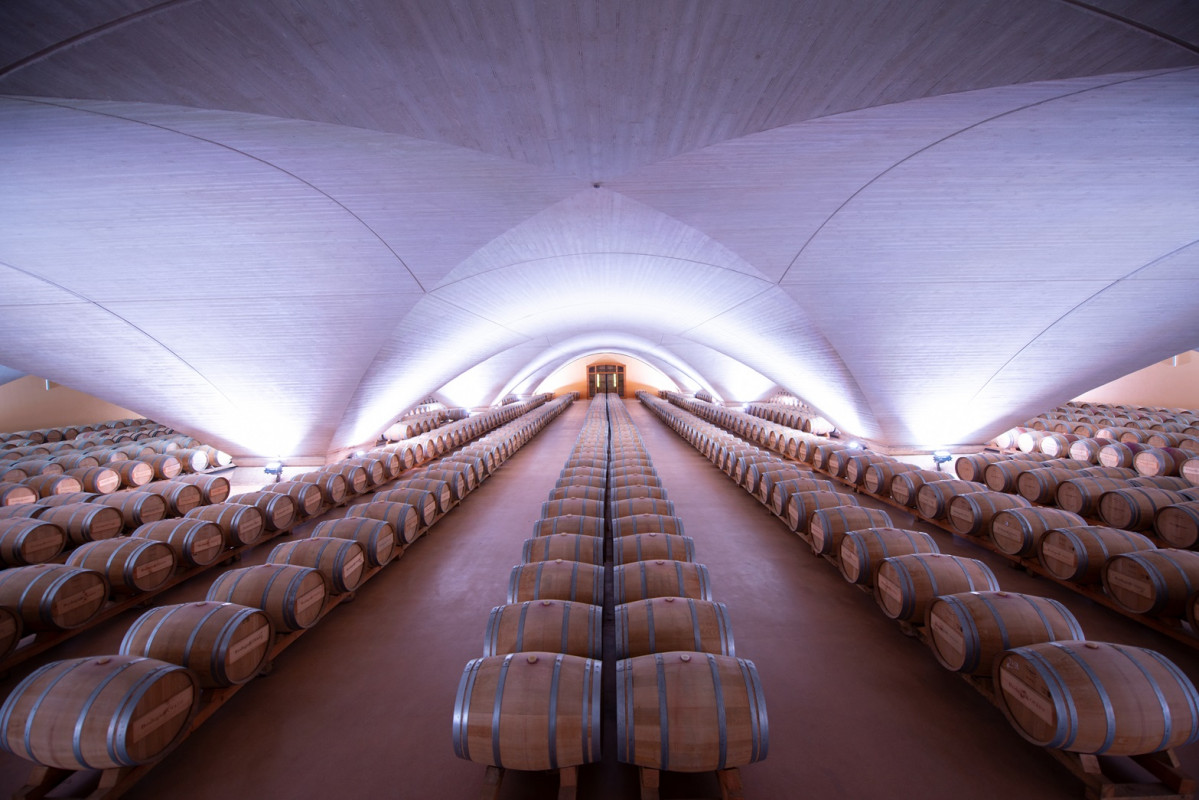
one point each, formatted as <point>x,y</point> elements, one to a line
<point>663,714</point>
<point>722,724</point>
<point>761,724</point>
<point>1109,712</point>
<point>466,687</point>
<point>117,738</point>
<point>969,631</point>
<point>496,713</point>
<point>555,681</point>
<point>1185,686</point>
<point>77,734</point>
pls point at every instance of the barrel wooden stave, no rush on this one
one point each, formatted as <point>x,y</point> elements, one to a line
<point>131,566</point>
<point>377,537</point>
<point>557,580</point>
<point>969,630</point>
<point>1078,553</point>
<point>905,586</point>
<point>556,626</point>
<point>293,597</point>
<point>863,551</point>
<point>224,644</point>
<point>665,624</point>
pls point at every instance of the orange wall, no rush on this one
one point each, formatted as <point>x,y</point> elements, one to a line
<point>26,405</point>
<point>1161,384</point>
<point>637,376</point>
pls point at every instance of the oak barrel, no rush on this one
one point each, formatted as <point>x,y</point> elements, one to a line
<point>180,497</point>
<point>1082,494</point>
<point>646,523</point>
<point>827,526</point>
<point>1078,553</point>
<point>1152,581</point>
<point>1018,531</point>
<point>689,712</point>
<point>663,624</point>
<point>801,506</point>
<point>99,712</point>
<point>25,541</point>
<point>968,630</point>
<point>1134,509</point>
<point>528,711</point>
<point>565,546</point>
<point>293,597</point>
<point>341,561</point>
<point>863,550</point>
<point>333,486</point>
<point>905,586</point>
<point>571,523</point>
<point>557,580</point>
<point>15,494</point>
<point>225,644</point>
<point>555,626</point>
<point>904,485</point>
<point>781,491</point>
<point>131,566</point>
<point>651,546</point>
<point>46,485</point>
<point>137,508</point>
<point>52,597</point>
<point>932,498</point>
<point>279,511</point>
<point>84,522</point>
<point>422,501</point>
<point>1178,525</point>
<point>1096,697</point>
<point>640,580</point>
<point>402,517</point>
<point>240,524</point>
<point>98,480</point>
<point>196,542</point>
<point>972,514</point>
<point>377,537</point>
<point>307,496</point>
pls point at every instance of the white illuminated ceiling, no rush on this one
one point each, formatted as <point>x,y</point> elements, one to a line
<point>278,225</point>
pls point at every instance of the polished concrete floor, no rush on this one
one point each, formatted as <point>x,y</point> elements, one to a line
<point>360,707</point>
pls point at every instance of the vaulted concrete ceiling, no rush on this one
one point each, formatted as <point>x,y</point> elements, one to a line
<point>277,225</point>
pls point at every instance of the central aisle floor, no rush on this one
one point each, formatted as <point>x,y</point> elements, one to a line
<point>361,706</point>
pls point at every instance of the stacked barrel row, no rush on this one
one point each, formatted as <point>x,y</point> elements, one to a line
<point>1031,650</point>
<point>1159,427</point>
<point>194,523</point>
<point>790,416</point>
<point>773,436</point>
<point>684,701</point>
<point>130,708</point>
<point>412,425</point>
<point>533,701</point>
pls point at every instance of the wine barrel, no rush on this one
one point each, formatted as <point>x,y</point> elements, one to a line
<point>1078,553</point>
<point>25,541</point>
<point>240,524</point>
<point>904,485</point>
<point>422,501</point>
<point>180,497</point>
<point>1018,531</point>
<point>99,712</point>
<point>53,597</point>
<point>84,522</point>
<point>165,467</point>
<point>1154,582</point>
<point>47,485</point>
<point>619,480</point>
<point>224,644</point>
<point>630,492</point>
<point>402,517</point>
<point>905,586</point>
<point>1057,445</point>
<point>307,496</point>
<point>279,511</point>
<point>564,546</point>
<point>840,461</point>
<point>376,472</point>
<point>878,477</point>
<point>557,580</point>
<point>827,526</point>
<point>341,561</point>
<point>15,494</point>
<point>377,537</point>
<point>11,631</point>
<point>1120,454</point>
<point>98,480</point>
<point>131,566</point>
<point>640,580</point>
<point>136,508</point>
<point>1087,449</point>
<point>1159,461</point>
<point>39,467</point>
<point>863,550</point>
<point>1095,697</point>
<point>293,597</point>
<point>333,486</point>
<point>801,506</point>
<point>646,523</point>
<point>972,467</point>
<point>196,543</point>
<point>932,499</point>
<point>972,514</point>
<point>192,459</point>
<point>1171,483</point>
<point>572,505</point>
<point>571,523</point>
<point>555,626</point>
<point>781,491</point>
<point>529,711</point>
<point>689,712</point>
<point>652,546</point>
<point>1003,475</point>
<point>56,500</point>
<point>968,630</point>
<point>665,624</point>
<point>1178,525</point>
<point>355,476</point>
<point>133,473</point>
<point>640,505</point>
<point>1134,509</point>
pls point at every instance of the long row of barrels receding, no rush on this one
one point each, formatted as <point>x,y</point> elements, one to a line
<point>177,664</point>
<point>1027,653</point>
<point>684,701</point>
<point>104,531</point>
<point>1158,427</point>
